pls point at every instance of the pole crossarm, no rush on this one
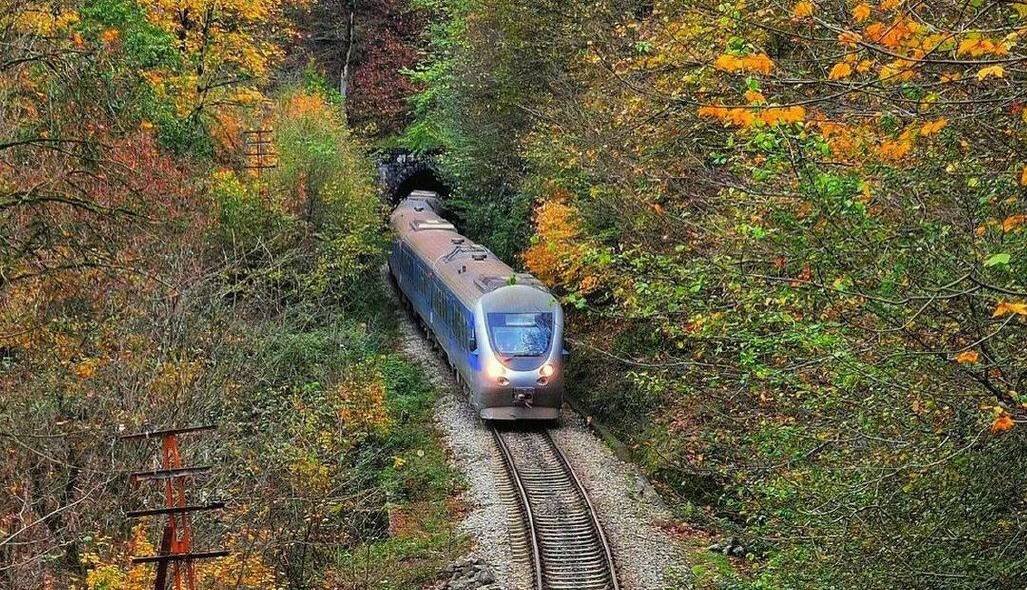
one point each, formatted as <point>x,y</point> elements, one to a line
<point>165,432</point>
<point>181,556</point>
<point>174,510</point>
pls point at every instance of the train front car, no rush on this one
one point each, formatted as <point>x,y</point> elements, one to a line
<point>522,355</point>
<point>502,332</point>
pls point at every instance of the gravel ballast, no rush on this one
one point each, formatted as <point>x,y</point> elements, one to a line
<point>628,508</point>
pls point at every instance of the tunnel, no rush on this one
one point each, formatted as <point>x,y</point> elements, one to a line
<point>425,180</point>
<point>401,171</point>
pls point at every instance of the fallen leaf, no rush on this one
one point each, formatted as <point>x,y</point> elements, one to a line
<point>1012,222</point>
<point>933,127</point>
<point>849,38</point>
<point>997,259</point>
<point>755,97</point>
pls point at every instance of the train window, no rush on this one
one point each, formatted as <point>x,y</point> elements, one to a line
<point>520,334</point>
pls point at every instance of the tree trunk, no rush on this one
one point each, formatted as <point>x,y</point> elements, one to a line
<point>344,78</point>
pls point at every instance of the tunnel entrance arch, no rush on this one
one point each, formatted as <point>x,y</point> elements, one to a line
<point>401,171</point>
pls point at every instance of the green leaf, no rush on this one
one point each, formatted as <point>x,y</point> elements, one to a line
<point>997,259</point>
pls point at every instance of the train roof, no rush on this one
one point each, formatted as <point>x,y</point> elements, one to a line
<point>469,269</point>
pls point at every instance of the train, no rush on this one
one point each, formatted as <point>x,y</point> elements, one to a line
<point>501,331</point>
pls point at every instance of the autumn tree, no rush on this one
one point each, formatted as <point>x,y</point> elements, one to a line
<point>794,232</point>
<point>142,284</point>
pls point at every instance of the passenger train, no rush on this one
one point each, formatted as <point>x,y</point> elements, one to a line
<point>501,331</point>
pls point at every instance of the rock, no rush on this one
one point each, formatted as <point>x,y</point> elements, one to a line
<point>468,574</point>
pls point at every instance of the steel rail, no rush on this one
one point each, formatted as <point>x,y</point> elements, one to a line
<point>511,468</point>
<point>560,559</point>
<point>591,510</point>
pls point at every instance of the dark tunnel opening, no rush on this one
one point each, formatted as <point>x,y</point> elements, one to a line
<point>425,180</point>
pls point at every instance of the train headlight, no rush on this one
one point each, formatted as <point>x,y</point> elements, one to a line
<point>547,370</point>
<point>495,370</point>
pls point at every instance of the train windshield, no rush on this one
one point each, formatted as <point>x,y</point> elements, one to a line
<point>521,334</point>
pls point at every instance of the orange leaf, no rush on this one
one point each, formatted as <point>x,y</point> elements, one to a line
<point>1013,221</point>
<point>861,12</point>
<point>967,357</point>
<point>839,71</point>
<point>875,32</point>
<point>934,127</point>
<point>895,150</point>
<point>779,115</point>
<point>1009,308</point>
<point>1002,423</point>
<point>755,97</point>
<point>758,62</point>
<point>802,9</point>
<point>1023,176</point>
<point>110,36</point>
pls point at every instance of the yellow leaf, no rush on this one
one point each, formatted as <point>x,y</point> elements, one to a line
<point>979,46</point>
<point>967,357</point>
<point>992,71</point>
<point>839,71</point>
<point>861,12</point>
<point>1002,423</point>
<point>1023,176</point>
<point>802,9</point>
<point>1009,308</point>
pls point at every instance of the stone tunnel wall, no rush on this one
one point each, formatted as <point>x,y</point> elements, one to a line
<point>401,171</point>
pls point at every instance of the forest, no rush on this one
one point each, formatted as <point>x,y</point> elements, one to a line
<point>790,238</point>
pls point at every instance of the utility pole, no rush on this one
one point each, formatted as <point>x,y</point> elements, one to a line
<point>176,545</point>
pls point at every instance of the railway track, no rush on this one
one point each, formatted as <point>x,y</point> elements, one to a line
<point>565,540</point>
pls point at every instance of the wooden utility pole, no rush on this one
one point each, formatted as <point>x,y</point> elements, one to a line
<point>259,154</point>
<point>176,545</point>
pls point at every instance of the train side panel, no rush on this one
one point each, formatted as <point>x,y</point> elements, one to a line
<point>450,321</point>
